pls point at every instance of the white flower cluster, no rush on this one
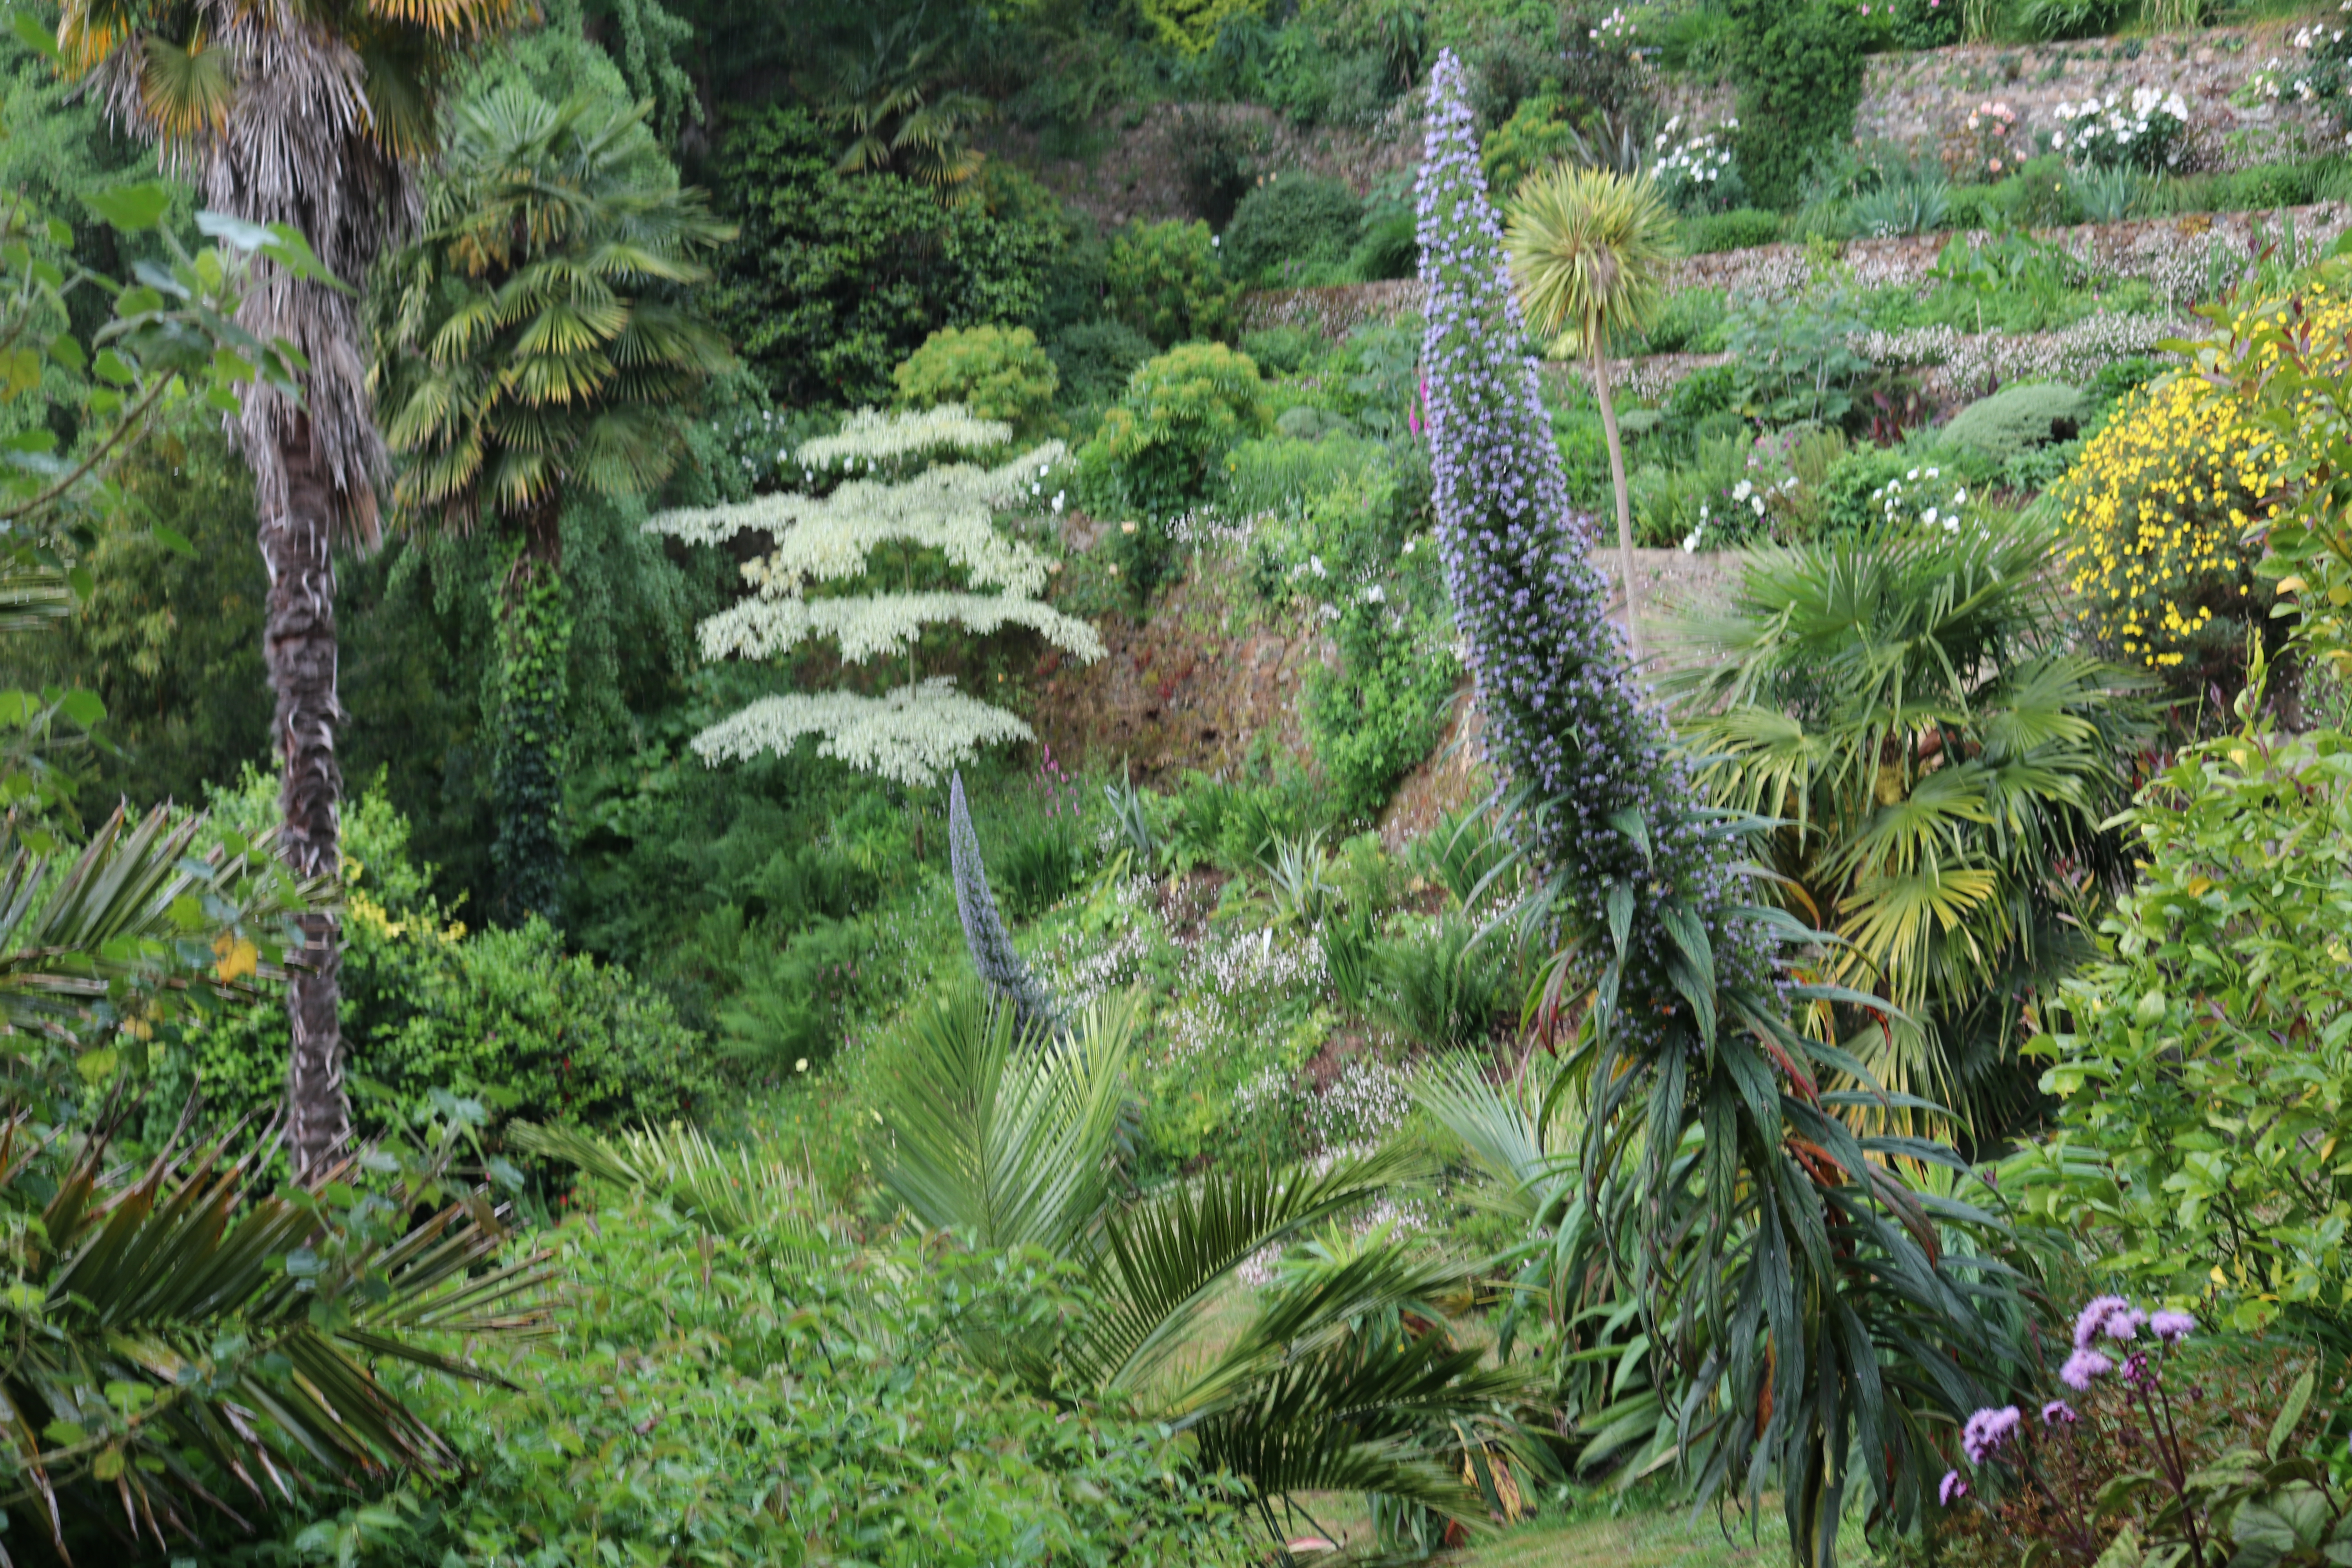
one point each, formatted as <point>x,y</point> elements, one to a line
<point>1925,500</point>
<point>883,624</point>
<point>1368,1103</point>
<point>2073,354</point>
<point>871,439</point>
<point>826,539</point>
<point>2142,133</point>
<point>1084,968</point>
<point>1615,29</point>
<point>911,736</point>
<point>1691,165</point>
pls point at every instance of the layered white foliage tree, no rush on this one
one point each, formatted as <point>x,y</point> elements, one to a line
<point>823,541</point>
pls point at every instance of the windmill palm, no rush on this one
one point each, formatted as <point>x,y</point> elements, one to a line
<point>314,116</point>
<point>901,117</point>
<point>1589,250</point>
<point>1941,760</point>
<point>526,350</point>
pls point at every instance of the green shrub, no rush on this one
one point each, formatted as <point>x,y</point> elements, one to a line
<point>1849,491</point>
<point>1286,351</point>
<point>1285,473</point>
<point>1095,359</point>
<point>2016,419</point>
<point>2047,21</point>
<point>1799,63</point>
<point>1742,228</point>
<point>834,280</point>
<point>996,373</point>
<point>1442,983</point>
<point>2199,1061</point>
<point>1157,452</point>
<point>1231,822</point>
<point>1692,321</point>
<point>780,1397</point>
<point>1538,133</point>
<point>1289,229</point>
<point>1166,282</point>
<point>505,1016</point>
<point>1389,243</point>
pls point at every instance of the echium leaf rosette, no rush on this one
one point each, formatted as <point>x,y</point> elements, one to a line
<point>1801,1304</point>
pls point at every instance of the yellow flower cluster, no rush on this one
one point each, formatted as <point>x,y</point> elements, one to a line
<point>2169,507</point>
<point>2158,510</point>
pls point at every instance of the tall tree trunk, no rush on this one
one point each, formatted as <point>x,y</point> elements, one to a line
<point>299,641</point>
<point>1625,500</point>
<point>527,766</point>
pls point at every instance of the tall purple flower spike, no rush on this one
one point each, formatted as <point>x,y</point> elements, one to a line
<point>1564,716</point>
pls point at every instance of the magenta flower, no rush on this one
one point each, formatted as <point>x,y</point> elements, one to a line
<point>1954,1488</point>
<point>2172,1327</point>
<point>2093,1318</point>
<point>2057,1412</point>
<point>1988,1430</point>
<point>2082,1368</point>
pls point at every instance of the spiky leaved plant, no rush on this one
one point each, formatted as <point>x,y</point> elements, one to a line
<point>1799,1307</point>
<point>1590,249</point>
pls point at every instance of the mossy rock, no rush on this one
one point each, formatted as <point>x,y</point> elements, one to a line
<point>2016,419</point>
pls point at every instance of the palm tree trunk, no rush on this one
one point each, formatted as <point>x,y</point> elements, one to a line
<point>299,642</point>
<point>1625,501</point>
<point>527,768</point>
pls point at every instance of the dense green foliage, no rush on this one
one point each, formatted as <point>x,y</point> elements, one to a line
<point>998,373</point>
<point>833,282</point>
<point>1799,69</point>
<point>1167,281</point>
<point>1156,453</point>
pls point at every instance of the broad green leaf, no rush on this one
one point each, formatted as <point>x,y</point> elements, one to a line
<point>130,208</point>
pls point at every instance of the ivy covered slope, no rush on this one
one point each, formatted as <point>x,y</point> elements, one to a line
<point>1799,1302</point>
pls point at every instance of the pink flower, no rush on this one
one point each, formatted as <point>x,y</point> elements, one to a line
<point>1989,1431</point>
<point>2082,1368</point>
<point>2091,1321</point>
<point>1952,1489</point>
<point>2172,1327</point>
<point>2058,1411</point>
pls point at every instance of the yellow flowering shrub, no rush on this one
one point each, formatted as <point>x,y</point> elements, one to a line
<point>2158,510</point>
<point>2171,507</point>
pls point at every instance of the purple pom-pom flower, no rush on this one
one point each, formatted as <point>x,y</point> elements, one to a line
<point>1987,1431</point>
<point>2172,1327</point>
<point>2057,1413</point>
<point>2083,1368</point>
<point>2093,1320</point>
<point>1953,1489</point>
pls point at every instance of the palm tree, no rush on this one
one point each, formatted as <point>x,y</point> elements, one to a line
<point>314,116</point>
<point>1589,250</point>
<point>1941,760</point>
<point>890,97</point>
<point>524,350</point>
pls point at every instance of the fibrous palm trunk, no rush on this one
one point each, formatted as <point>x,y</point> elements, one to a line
<point>297,149</point>
<point>299,643</point>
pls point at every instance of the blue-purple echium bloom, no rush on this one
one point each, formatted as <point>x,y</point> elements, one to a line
<point>1564,715</point>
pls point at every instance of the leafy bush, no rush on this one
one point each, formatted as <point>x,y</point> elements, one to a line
<point>1794,359</point>
<point>1166,282</point>
<point>1218,156</point>
<point>1233,823</point>
<point>1285,351</point>
<point>1901,208</point>
<point>1289,229</point>
<point>1285,473</point>
<point>777,1396</point>
<point>1851,502</point>
<point>1159,450</point>
<point>833,280</point>
<point>504,1016</point>
<point>1691,321</point>
<point>1742,228</point>
<point>996,373</point>
<point>1799,63</point>
<point>1095,359</point>
<point>1441,984</point>
<point>1537,134</point>
<point>2016,419</point>
<point>2049,20</point>
<point>2204,1055</point>
<point>2157,509</point>
<point>1388,245</point>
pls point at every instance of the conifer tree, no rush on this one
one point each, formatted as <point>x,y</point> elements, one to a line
<point>918,523</point>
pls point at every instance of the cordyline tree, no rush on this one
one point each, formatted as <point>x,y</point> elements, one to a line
<point>315,116</point>
<point>1800,1305</point>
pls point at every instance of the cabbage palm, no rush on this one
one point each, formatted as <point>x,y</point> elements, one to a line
<point>1942,760</point>
<point>1590,249</point>
<point>527,348</point>
<point>315,116</point>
